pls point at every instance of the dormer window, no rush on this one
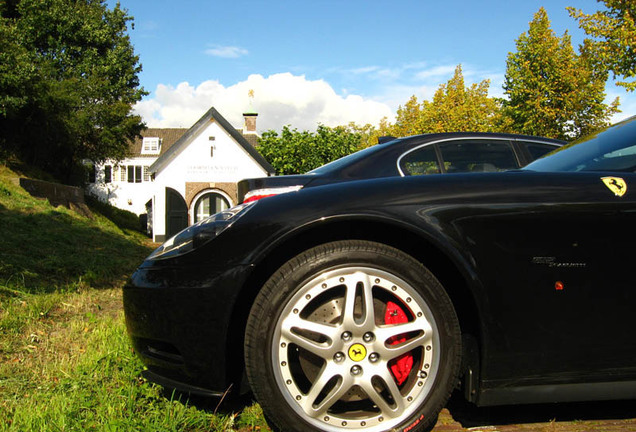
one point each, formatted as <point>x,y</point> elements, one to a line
<point>151,146</point>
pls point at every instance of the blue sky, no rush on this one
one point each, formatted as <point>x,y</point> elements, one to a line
<point>328,62</point>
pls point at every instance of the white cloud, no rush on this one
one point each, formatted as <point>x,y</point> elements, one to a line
<point>288,99</point>
<point>280,99</point>
<point>363,70</point>
<point>227,51</point>
<point>437,72</point>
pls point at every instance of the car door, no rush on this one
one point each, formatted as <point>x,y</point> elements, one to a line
<point>560,291</point>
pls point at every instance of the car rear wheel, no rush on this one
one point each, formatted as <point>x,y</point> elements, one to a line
<point>352,335</point>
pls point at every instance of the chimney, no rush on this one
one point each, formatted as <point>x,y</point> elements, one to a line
<point>250,122</point>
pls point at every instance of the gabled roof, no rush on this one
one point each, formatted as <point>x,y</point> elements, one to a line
<point>211,116</point>
<point>168,137</point>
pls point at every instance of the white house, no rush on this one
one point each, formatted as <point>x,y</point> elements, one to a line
<point>178,176</point>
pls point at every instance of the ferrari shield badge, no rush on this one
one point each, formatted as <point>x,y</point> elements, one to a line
<point>616,185</point>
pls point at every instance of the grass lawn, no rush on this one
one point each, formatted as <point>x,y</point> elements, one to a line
<point>65,360</point>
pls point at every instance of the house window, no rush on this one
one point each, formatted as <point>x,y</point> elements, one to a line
<point>91,173</point>
<point>151,146</point>
<point>209,204</point>
<point>131,173</point>
<point>134,173</point>
<point>108,174</point>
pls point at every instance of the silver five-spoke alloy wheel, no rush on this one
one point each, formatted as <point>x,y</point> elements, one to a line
<point>352,335</point>
<point>333,349</point>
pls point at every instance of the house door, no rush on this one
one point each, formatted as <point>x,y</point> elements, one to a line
<point>176,213</point>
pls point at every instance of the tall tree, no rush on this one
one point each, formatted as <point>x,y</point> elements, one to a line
<point>614,33</point>
<point>68,80</point>
<point>454,108</point>
<point>295,152</point>
<point>552,91</point>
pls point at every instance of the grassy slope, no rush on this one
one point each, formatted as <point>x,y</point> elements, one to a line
<point>65,360</point>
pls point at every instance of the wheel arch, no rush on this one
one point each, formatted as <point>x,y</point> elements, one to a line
<point>454,276</point>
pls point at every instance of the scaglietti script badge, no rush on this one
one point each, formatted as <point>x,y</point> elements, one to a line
<point>616,185</point>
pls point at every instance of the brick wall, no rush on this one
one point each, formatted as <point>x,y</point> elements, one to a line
<point>193,189</point>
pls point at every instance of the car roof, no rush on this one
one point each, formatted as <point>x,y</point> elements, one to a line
<point>397,144</point>
<point>443,135</point>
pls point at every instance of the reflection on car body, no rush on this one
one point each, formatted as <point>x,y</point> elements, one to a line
<point>360,305</point>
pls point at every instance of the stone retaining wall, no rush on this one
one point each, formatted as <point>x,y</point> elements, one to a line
<point>58,194</point>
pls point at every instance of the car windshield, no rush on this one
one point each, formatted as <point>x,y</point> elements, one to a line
<point>346,160</point>
<point>611,149</point>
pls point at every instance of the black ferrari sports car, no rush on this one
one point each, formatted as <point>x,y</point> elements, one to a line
<point>440,153</point>
<point>362,305</point>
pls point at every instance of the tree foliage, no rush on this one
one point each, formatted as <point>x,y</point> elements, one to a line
<point>454,108</point>
<point>295,152</point>
<point>68,80</point>
<point>614,33</point>
<point>553,91</point>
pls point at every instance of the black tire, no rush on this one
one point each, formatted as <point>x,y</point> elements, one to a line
<point>317,361</point>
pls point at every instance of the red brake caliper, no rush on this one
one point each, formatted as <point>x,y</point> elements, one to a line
<point>401,366</point>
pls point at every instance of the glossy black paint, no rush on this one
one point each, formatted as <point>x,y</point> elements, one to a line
<point>381,160</point>
<point>502,244</point>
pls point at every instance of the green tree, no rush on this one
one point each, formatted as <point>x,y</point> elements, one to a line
<point>368,133</point>
<point>454,108</point>
<point>295,152</point>
<point>407,120</point>
<point>614,33</point>
<point>68,80</point>
<point>552,91</point>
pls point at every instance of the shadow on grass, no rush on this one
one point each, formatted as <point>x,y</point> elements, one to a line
<point>50,250</point>
<point>214,405</point>
<point>470,416</point>
<point>245,415</point>
<point>124,219</point>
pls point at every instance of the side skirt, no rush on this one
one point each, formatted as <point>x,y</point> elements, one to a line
<point>558,393</point>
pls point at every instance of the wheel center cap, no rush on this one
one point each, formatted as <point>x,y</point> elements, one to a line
<point>357,352</point>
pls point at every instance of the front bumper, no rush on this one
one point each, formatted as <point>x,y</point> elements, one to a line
<point>179,322</point>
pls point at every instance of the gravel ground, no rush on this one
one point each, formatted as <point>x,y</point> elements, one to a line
<point>574,417</point>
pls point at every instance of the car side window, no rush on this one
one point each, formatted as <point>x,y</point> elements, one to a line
<point>422,161</point>
<point>477,156</point>
<point>536,150</point>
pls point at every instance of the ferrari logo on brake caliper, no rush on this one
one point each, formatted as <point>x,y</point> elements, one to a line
<point>616,185</point>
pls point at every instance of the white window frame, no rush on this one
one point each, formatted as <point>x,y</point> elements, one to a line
<point>198,196</point>
<point>151,146</point>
